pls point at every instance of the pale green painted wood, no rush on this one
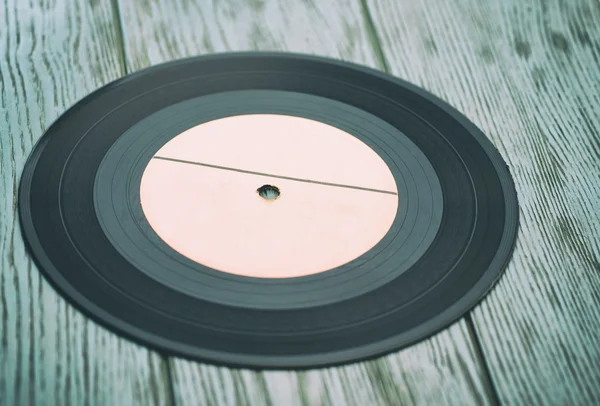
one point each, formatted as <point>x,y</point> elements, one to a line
<point>528,73</point>
<point>53,53</point>
<point>441,371</point>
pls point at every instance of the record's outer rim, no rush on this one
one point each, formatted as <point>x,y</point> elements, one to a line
<point>435,324</point>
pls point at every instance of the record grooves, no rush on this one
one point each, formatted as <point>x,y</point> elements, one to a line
<point>392,214</point>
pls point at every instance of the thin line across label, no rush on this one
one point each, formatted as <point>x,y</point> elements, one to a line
<point>274,176</point>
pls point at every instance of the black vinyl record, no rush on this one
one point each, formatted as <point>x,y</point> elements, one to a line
<point>448,242</point>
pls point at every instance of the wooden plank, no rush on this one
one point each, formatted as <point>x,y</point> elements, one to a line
<point>528,74</point>
<point>158,31</point>
<point>54,52</point>
<point>442,370</point>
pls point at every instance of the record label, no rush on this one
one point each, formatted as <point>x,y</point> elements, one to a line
<point>332,197</point>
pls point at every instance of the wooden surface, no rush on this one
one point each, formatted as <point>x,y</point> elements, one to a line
<point>51,55</point>
<point>528,74</point>
<point>526,71</point>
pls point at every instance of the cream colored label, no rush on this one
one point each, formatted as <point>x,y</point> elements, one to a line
<point>337,198</point>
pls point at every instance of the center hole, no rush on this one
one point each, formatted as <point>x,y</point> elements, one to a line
<point>268,192</point>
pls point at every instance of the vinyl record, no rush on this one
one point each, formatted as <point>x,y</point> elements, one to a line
<point>268,210</point>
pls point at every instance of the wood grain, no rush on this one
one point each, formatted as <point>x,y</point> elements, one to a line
<point>52,53</point>
<point>159,31</point>
<point>528,74</point>
<point>442,370</point>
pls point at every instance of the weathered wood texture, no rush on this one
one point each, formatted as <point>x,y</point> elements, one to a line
<point>443,370</point>
<point>528,74</point>
<point>52,53</point>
